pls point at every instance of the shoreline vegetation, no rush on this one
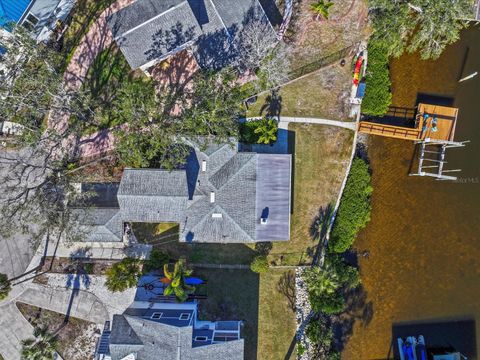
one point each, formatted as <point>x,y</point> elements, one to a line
<point>329,287</point>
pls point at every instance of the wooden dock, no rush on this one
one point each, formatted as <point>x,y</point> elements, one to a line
<point>433,123</point>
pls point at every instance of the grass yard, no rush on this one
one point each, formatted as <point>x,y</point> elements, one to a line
<point>233,295</point>
<point>76,340</point>
<point>323,94</point>
<point>276,317</point>
<point>322,154</point>
<point>263,302</point>
<point>165,237</point>
<point>83,15</point>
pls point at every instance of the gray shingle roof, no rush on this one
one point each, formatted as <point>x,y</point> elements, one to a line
<point>246,187</point>
<point>148,30</point>
<point>153,182</point>
<point>161,341</point>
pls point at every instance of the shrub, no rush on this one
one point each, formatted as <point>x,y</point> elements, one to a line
<point>262,131</point>
<point>123,275</point>
<point>5,286</point>
<point>88,268</point>
<point>320,333</point>
<point>377,93</point>
<point>326,285</point>
<point>156,261</point>
<point>354,210</point>
<point>259,264</point>
<point>300,349</point>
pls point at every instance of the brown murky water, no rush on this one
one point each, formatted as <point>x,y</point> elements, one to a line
<point>424,236</point>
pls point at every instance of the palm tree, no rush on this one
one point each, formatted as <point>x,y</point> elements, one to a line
<point>266,131</point>
<point>177,284</point>
<point>321,8</point>
<point>5,286</point>
<point>40,348</point>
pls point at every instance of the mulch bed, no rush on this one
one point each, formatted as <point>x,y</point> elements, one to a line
<point>67,266</point>
<point>76,340</point>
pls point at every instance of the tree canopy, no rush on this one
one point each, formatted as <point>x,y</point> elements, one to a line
<point>40,348</point>
<point>160,126</point>
<point>123,275</point>
<point>427,26</point>
<point>326,285</point>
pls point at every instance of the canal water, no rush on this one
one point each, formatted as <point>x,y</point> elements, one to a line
<point>424,236</point>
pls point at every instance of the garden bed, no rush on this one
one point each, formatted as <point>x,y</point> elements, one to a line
<point>61,265</point>
<point>76,339</point>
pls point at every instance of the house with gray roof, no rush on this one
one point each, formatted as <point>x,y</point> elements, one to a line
<point>149,31</point>
<point>152,331</point>
<point>40,17</point>
<point>219,196</point>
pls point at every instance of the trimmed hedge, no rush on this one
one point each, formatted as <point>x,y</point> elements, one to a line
<point>377,93</point>
<point>354,210</point>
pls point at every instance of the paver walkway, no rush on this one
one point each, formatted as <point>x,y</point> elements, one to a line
<point>93,43</point>
<point>97,39</point>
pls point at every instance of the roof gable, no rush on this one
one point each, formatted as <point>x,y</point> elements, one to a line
<point>153,182</point>
<point>148,31</point>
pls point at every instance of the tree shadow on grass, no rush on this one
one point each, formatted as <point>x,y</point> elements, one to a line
<point>232,295</point>
<point>319,229</point>
<point>273,104</point>
<point>107,71</point>
<point>286,286</point>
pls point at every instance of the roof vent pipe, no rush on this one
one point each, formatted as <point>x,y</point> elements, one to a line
<point>212,197</point>
<point>204,165</point>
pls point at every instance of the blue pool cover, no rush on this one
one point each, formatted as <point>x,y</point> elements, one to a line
<point>12,11</point>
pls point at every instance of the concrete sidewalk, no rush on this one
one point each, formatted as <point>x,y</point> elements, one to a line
<point>13,329</point>
<point>77,303</point>
<point>285,120</point>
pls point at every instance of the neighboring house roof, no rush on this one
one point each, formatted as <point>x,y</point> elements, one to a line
<point>220,196</point>
<point>148,31</point>
<point>45,13</point>
<point>152,340</point>
<point>12,10</point>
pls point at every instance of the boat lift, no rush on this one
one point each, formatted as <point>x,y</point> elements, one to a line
<point>433,131</point>
<point>436,164</point>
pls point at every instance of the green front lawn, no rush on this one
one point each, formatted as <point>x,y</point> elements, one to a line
<point>276,317</point>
